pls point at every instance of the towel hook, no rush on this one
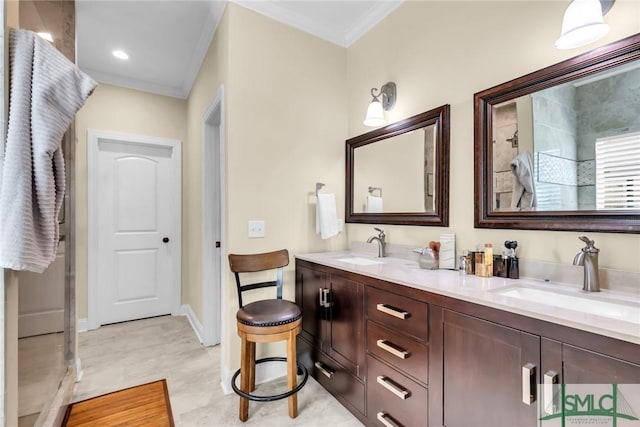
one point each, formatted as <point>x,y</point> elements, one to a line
<point>372,189</point>
<point>319,186</point>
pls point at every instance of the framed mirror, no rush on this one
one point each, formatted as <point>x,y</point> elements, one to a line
<point>559,149</point>
<point>399,174</point>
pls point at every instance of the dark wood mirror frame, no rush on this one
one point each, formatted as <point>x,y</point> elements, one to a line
<point>618,221</point>
<point>440,216</point>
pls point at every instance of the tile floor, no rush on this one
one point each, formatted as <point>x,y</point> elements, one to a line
<point>40,369</point>
<point>131,353</point>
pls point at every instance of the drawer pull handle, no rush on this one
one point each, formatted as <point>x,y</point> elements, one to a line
<point>393,311</point>
<point>529,383</point>
<point>393,349</point>
<point>384,418</point>
<point>401,393</point>
<point>326,372</point>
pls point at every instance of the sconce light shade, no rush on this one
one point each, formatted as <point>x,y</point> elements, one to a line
<point>375,112</point>
<point>375,115</point>
<point>582,24</point>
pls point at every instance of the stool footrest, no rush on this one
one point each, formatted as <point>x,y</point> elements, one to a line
<point>274,397</point>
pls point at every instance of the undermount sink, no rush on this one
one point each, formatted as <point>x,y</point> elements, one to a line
<point>628,311</point>
<point>360,260</point>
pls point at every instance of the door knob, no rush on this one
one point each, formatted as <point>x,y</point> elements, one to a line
<point>165,240</point>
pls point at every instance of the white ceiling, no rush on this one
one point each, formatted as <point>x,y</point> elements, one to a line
<point>167,40</point>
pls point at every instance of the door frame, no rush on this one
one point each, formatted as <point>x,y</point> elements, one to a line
<point>93,141</point>
<point>213,216</point>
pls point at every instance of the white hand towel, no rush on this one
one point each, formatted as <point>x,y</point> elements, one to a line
<point>523,196</point>
<point>327,224</point>
<point>374,204</point>
<point>46,91</point>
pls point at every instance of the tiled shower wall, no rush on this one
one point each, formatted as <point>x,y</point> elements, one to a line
<point>554,128</point>
<point>605,107</point>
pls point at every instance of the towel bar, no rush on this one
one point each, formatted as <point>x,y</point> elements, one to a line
<point>372,189</point>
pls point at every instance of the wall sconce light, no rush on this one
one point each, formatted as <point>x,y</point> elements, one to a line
<point>375,112</point>
<point>583,23</point>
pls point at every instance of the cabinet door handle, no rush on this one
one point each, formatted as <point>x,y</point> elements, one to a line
<point>401,393</point>
<point>384,418</point>
<point>326,372</point>
<point>327,298</point>
<point>528,383</point>
<point>393,349</point>
<point>322,295</point>
<point>550,386</point>
<point>393,311</point>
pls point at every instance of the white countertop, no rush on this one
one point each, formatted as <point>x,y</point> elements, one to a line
<point>485,291</point>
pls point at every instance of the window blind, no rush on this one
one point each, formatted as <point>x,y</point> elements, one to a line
<point>618,172</point>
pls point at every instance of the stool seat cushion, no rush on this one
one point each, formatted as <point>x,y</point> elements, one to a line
<point>271,312</point>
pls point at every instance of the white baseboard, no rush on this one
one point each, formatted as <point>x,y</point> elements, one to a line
<point>193,319</point>
<point>44,322</point>
<point>82,325</point>
<point>265,372</point>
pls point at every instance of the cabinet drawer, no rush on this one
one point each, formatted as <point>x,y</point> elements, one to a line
<point>402,400</point>
<point>402,352</point>
<point>402,313</point>
<point>335,378</point>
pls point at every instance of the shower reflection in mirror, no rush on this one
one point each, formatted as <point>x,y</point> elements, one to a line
<point>583,140</point>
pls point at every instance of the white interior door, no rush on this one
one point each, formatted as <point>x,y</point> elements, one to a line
<point>138,244</point>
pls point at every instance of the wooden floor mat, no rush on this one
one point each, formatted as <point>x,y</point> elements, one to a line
<point>143,405</point>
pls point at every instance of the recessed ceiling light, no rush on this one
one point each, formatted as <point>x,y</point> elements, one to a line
<point>47,36</point>
<point>120,54</point>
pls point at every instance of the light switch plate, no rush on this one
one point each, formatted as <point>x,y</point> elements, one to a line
<point>256,229</point>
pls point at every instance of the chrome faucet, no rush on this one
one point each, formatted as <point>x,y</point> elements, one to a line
<point>381,242</point>
<point>588,257</point>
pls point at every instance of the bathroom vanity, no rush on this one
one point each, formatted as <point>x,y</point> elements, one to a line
<point>401,346</point>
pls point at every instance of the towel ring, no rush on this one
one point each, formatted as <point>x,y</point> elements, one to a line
<point>319,186</point>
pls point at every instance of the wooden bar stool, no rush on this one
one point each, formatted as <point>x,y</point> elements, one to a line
<point>265,321</point>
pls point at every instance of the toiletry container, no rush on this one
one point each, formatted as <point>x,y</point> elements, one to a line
<point>472,261</point>
<point>427,259</point>
<point>500,266</point>
<point>513,269</point>
<point>480,266</point>
<point>488,259</point>
<point>463,265</point>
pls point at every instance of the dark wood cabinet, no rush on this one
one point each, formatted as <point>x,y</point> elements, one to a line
<point>397,359</point>
<point>575,365</point>
<point>344,333</point>
<point>395,355</point>
<point>309,287</point>
<point>569,365</point>
<point>331,344</point>
<point>486,368</point>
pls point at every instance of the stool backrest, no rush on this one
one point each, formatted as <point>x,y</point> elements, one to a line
<point>259,262</point>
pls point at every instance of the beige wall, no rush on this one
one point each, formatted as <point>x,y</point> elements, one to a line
<point>286,122</point>
<point>442,52</point>
<point>212,75</point>
<point>116,109</point>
